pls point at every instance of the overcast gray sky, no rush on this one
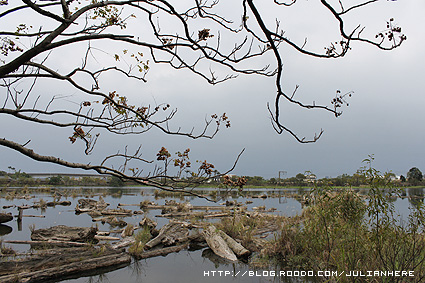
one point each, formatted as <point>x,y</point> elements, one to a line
<point>386,114</point>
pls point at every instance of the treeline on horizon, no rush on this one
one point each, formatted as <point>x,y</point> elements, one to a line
<point>414,177</point>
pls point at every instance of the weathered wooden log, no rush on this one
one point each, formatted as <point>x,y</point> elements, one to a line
<point>161,252</point>
<point>123,204</point>
<point>101,219</point>
<point>169,234</point>
<point>111,220</point>
<point>218,244</point>
<point>205,207</point>
<point>128,231</point>
<point>63,203</point>
<point>87,205</point>
<point>76,267</point>
<point>181,214</point>
<point>20,213</point>
<point>237,248</point>
<point>218,215</point>
<point>124,243</point>
<point>106,238</point>
<point>5,217</point>
<point>117,212</point>
<point>65,233</point>
<point>25,206</point>
<point>8,206</point>
<point>49,242</point>
<point>148,222</point>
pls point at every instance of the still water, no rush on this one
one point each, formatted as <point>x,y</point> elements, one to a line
<point>185,266</point>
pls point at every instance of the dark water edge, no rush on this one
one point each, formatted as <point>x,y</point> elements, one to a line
<point>185,266</point>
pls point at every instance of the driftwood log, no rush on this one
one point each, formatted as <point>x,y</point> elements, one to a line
<point>88,205</point>
<point>49,243</point>
<point>169,234</point>
<point>60,264</point>
<point>106,238</point>
<point>63,203</point>
<point>117,212</point>
<point>237,248</point>
<point>65,233</point>
<point>162,252</point>
<point>124,243</point>
<point>218,244</point>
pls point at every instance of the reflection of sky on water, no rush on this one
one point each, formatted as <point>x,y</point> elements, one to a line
<point>178,267</point>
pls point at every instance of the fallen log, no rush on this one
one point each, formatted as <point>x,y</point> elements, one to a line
<point>124,243</point>
<point>123,204</point>
<point>63,203</point>
<point>205,207</point>
<point>106,238</point>
<point>111,220</point>
<point>148,222</point>
<point>8,206</point>
<point>217,244</point>
<point>181,214</point>
<point>161,252</point>
<point>65,233</point>
<point>169,234</point>
<point>117,212</point>
<point>237,248</point>
<point>49,242</point>
<point>87,205</point>
<point>218,215</point>
<point>61,265</point>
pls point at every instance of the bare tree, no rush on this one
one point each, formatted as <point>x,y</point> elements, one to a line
<point>197,38</point>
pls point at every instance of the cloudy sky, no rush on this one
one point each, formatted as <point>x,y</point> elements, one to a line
<point>385,116</point>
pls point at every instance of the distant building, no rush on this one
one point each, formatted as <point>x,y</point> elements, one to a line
<point>310,178</point>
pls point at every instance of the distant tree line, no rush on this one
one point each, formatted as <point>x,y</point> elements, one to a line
<point>414,177</point>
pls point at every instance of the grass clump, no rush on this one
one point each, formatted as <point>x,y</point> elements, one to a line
<point>141,237</point>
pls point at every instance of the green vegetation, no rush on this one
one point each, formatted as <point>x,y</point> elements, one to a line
<point>414,176</point>
<point>115,182</point>
<point>341,231</point>
<point>142,237</point>
<point>55,180</point>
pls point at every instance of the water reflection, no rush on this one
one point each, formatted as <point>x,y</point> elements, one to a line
<point>4,230</point>
<point>416,197</point>
<point>209,254</point>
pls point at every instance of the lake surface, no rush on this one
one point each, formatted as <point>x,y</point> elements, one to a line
<point>185,266</point>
